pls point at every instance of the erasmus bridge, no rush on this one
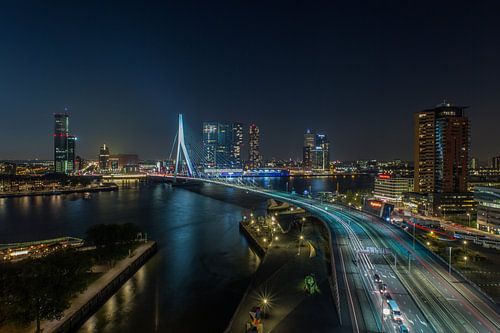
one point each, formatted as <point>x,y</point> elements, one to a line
<point>430,296</point>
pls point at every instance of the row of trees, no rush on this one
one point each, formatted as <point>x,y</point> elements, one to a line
<point>39,289</point>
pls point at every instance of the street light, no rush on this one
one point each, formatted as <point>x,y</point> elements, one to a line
<point>300,240</point>
<point>465,259</point>
<point>468,214</point>
<point>449,260</point>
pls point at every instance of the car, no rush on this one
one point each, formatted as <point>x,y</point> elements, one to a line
<point>377,278</point>
<point>382,288</point>
<point>403,329</point>
<point>388,297</point>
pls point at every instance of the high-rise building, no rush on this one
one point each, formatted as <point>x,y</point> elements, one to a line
<point>210,130</point>
<point>255,159</point>
<point>222,145</point>
<point>320,153</point>
<point>441,153</point>
<point>495,162</point>
<point>71,153</point>
<point>104,158</point>
<point>237,144</point>
<point>223,157</point>
<point>64,144</point>
<point>309,144</point>
<point>474,163</point>
<point>441,150</point>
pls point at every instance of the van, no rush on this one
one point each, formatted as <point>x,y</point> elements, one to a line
<point>395,312</point>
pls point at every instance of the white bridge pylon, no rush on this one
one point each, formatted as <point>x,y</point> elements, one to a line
<point>182,146</point>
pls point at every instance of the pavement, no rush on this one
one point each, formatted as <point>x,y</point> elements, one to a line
<point>280,278</point>
<point>79,301</point>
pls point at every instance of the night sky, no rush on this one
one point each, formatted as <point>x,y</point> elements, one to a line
<point>355,70</point>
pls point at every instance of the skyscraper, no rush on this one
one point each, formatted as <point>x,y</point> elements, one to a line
<point>71,153</point>
<point>222,145</point>
<point>441,153</point>
<point>309,143</point>
<point>495,162</point>
<point>64,144</point>
<point>320,153</point>
<point>237,144</point>
<point>104,158</point>
<point>255,159</point>
<point>209,144</point>
<point>223,158</point>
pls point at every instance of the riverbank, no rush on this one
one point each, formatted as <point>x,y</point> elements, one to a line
<point>90,300</point>
<point>85,304</point>
<point>103,188</point>
<point>278,286</point>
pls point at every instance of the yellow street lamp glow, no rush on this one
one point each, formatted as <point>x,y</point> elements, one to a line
<point>264,301</point>
<point>276,238</point>
<point>465,258</point>
<point>265,240</point>
<point>465,242</point>
<point>301,237</point>
<point>428,243</point>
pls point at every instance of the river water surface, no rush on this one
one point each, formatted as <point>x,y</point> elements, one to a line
<point>203,265</point>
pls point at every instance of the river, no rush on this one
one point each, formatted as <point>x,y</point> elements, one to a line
<point>203,265</point>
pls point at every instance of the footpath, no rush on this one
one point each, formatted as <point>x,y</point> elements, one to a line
<point>278,285</point>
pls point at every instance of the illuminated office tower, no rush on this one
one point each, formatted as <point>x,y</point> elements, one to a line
<point>61,151</point>
<point>104,158</point>
<point>309,143</point>
<point>255,159</point>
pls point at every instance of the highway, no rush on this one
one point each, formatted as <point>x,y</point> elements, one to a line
<point>364,302</point>
<point>448,301</point>
<point>430,299</point>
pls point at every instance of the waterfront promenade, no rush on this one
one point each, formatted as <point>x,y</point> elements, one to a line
<point>14,194</point>
<point>95,295</point>
<point>278,285</point>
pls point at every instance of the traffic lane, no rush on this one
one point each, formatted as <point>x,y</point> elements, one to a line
<point>446,288</point>
<point>403,297</point>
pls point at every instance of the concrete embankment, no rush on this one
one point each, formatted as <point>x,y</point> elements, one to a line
<point>57,192</point>
<point>259,248</point>
<point>278,284</point>
<point>85,304</point>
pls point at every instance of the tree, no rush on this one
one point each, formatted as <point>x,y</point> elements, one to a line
<point>41,289</point>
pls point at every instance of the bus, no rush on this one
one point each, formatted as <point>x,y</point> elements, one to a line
<point>395,312</point>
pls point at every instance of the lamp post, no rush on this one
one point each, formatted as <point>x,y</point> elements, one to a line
<point>414,235</point>
<point>468,214</point>
<point>449,260</point>
<point>301,237</point>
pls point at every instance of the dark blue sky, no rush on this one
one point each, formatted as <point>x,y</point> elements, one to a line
<point>355,70</point>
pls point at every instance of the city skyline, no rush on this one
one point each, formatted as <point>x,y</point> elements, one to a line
<point>311,75</point>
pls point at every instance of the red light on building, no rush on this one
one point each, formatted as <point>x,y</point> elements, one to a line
<point>384,176</point>
<point>376,204</point>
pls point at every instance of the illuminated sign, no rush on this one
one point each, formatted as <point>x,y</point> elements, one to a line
<point>375,204</point>
<point>384,176</point>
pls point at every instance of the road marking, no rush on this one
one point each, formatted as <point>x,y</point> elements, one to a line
<point>411,321</point>
<point>421,322</point>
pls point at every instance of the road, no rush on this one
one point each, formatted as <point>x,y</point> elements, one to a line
<point>430,298</point>
<point>447,300</point>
